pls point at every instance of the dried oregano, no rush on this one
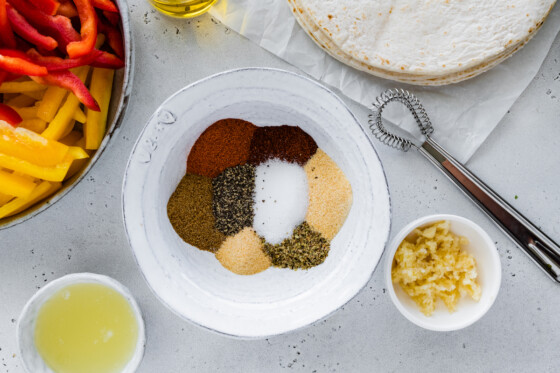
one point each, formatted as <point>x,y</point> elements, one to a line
<point>304,249</point>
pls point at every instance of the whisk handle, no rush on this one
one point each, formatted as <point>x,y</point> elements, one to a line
<point>537,245</point>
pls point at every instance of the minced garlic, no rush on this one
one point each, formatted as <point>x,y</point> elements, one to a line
<point>430,264</point>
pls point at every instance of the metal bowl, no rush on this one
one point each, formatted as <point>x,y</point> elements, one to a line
<point>122,86</point>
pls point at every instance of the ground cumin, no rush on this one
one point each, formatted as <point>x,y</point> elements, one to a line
<point>288,143</point>
<point>190,213</point>
<point>224,144</point>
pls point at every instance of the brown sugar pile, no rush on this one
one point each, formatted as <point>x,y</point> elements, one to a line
<point>190,213</point>
<point>330,195</point>
<point>224,144</point>
<point>288,143</point>
<point>243,253</point>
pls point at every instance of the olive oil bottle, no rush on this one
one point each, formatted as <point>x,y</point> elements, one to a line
<point>182,8</point>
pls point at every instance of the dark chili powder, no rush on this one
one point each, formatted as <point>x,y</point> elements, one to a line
<point>288,143</point>
<point>224,144</point>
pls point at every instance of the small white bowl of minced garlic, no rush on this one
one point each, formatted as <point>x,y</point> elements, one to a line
<point>82,322</point>
<point>443,272</point>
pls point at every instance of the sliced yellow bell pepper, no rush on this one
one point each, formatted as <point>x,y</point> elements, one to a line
<point>77,152</point>
<point>79,116</point>
<point>26,112</point>
<point>15,185</point>
<point>42,191</point>
<point>36,125</point>
<point>69,128</point>
<point>50,173</point>
<point>37,95</point>
<point>51,102</point>
<point>72,138</point>
<point>60,125</point>
<point>56,128</point>
<point>76,166</point>
<point>29,146</point>
<point>21,87</point>
<point>20,101</point>
<point>4,198</point>
<point>96,122</point>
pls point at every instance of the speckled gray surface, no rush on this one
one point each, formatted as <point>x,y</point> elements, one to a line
<point>84,232</point>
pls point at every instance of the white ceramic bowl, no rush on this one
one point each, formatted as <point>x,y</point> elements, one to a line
<point>468,311</point>
<point>193,283</point>
<point>31,359</point>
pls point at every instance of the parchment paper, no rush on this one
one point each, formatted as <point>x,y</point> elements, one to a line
<point>463,114</point>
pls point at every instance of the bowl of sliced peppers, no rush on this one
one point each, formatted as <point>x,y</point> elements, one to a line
<point>65,78</point>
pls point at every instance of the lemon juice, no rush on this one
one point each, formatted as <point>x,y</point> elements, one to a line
<point>86,328</point>
<point>182,8</point>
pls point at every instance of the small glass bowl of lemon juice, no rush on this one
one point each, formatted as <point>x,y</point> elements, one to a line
<point>81,323</point>
<point>183,8</point>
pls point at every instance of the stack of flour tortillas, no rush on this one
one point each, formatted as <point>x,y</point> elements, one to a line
<point>423,42</point>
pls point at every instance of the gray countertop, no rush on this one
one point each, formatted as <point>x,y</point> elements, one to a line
<point>84,232</point>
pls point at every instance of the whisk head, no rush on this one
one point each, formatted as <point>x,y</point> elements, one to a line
<point>415,107</point>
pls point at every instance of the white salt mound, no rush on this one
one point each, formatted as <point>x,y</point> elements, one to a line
<point>281,199</point>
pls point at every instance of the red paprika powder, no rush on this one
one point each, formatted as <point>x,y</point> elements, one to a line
<point>288,143</point>
<point>224,144</point>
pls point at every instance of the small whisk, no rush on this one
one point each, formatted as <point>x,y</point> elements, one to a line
<point>537,245</point>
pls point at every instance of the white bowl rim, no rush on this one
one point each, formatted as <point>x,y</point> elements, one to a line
<point>85,277</point>
<point>400,236</point>
<point>233,71</point>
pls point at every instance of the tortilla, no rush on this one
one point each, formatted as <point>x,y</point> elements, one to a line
<point>417,79</point>
<point>431,38</point>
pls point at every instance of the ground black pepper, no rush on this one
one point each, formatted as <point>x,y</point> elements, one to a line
<point>304,249</point>
<point>233,202</point>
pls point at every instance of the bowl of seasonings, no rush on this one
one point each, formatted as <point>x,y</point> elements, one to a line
<point>255,203</point>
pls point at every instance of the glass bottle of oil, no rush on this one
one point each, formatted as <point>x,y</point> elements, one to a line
<point>86,328</point>
<point>182,8</point>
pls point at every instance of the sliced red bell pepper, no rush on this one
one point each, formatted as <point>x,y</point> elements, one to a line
<point>65,79</point>
<point>47,6</point>
<point>17,62</point>
<point>88,31</point>
<point>9,115</point>
<point>114,38</point>
<point>53,63</point>
<point>108,61</point>
<point>28,32</point>
<point>67,9</point>
<point>59,27</point>
<point>8,77</point>
<point>107,5</point>
<point>6,34</point>
<point>113,18</point>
